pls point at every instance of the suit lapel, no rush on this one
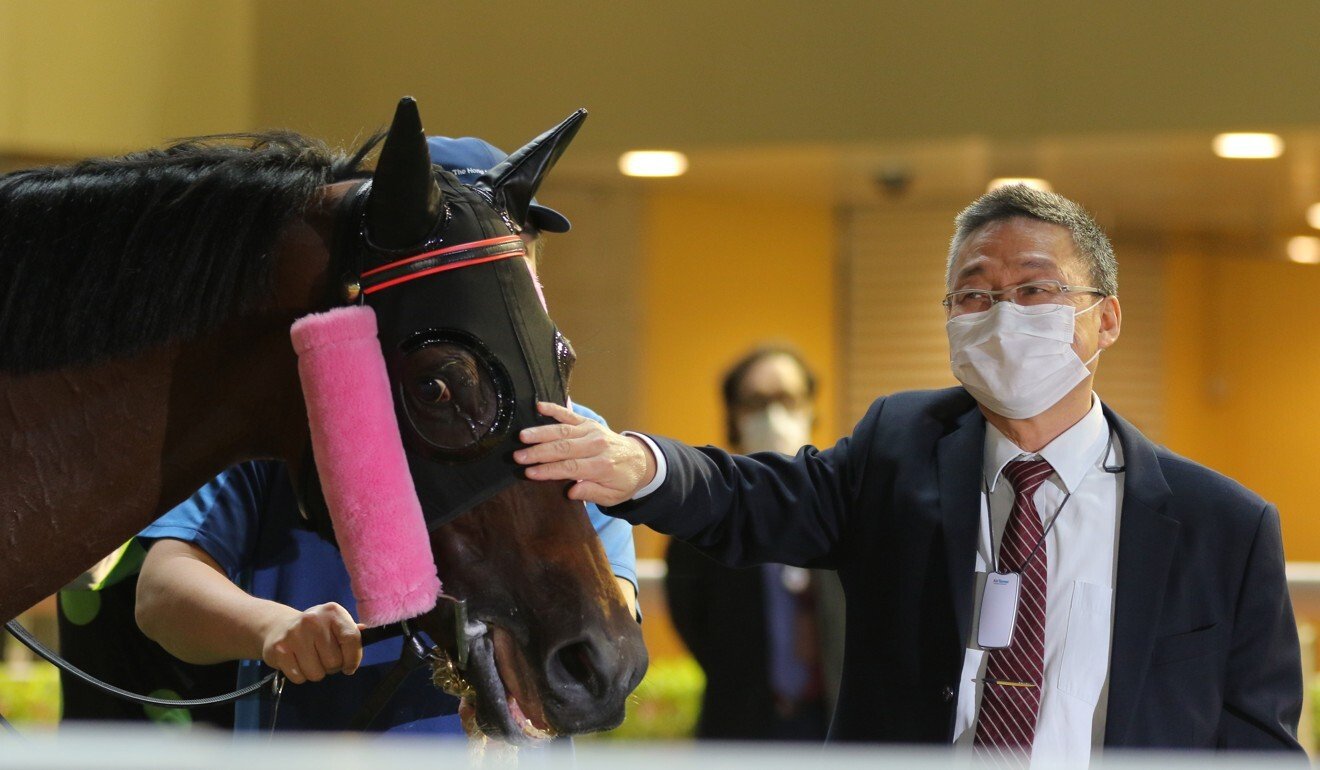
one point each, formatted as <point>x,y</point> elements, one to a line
<point>1146,542</point>
<point>959,454</point>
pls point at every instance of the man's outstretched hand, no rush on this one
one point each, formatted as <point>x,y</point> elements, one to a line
<point>608,467</point>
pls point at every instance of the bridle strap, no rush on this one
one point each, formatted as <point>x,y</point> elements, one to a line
<point>349,245</point>
<point>411,657</point>
<point>442,260</point>
<point>29,641</point>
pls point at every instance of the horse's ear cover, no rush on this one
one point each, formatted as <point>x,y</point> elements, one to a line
<point>514,182</point>
<point>405,200</point>
<point>364,474</point>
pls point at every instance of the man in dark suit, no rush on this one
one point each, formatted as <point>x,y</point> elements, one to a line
<point>1027,576</point>
<point>769,638</point>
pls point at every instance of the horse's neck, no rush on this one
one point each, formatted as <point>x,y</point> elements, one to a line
<point>94,454</point>
<point>234,397</point>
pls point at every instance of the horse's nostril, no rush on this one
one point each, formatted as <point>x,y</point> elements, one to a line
<point>589,678</point>
<point>576,661</point>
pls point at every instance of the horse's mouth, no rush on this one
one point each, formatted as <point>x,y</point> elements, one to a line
<point>501,702</point>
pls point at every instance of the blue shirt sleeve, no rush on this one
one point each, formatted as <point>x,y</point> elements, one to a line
<point>615,534</point>
<point>222,517</point>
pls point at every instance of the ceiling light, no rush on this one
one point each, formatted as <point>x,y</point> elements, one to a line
<point>653,163</point>
<point>1033,183</point>
<point>1313,216</point>
<point>1248,145</point>
<point>1304,249</point>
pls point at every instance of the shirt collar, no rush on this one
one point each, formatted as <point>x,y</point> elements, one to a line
<point>1072,454</point>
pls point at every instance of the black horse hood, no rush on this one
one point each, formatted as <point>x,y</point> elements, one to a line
<point>466,338</point>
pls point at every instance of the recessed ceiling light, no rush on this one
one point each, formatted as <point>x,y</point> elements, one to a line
<point>653,163</point>
<point>1313,216</point>
<point>1304,249</point>
<point>1033,183</point>
<point>1248,145</point>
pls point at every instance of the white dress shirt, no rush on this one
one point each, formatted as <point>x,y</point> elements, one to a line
<point>661,465</point>
<point>1082,550</point>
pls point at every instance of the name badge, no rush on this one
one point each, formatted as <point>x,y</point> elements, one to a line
<point>999,603</point>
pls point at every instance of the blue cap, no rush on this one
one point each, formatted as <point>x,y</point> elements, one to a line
<point>468,157</point>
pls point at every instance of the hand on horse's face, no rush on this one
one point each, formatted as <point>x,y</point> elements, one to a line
<point>306,646</point>
<point>608,467</point>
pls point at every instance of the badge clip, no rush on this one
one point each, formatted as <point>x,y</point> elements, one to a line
<point>999,604</point>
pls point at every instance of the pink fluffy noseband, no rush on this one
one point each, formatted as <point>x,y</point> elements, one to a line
<point>364,474</point>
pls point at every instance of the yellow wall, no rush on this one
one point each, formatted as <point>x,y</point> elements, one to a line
<point>1243,363</point>
<point>722,275</point>
<point>79,77</point>
<point>83,77</point>
<point>786,70</point>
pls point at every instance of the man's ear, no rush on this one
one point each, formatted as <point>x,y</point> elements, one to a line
<point>1111,321</point>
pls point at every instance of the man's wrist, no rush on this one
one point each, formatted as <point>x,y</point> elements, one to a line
<point>661,467</point>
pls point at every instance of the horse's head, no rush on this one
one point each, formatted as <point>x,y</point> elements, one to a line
<point>470,350</point>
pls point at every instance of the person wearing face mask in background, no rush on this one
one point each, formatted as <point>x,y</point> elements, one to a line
<point>1028,577</point>
<point>770,639</point>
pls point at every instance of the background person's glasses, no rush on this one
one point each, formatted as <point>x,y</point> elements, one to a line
<point>1030,293</point>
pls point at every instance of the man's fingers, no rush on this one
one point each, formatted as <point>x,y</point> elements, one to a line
<point>280,658</point>
<point>329,653</point>
<point>335,636</point>
<point>571,469</point>
<point>584,451</point>
<point>350,646</point>
<point>548,434</point>
<point>308,663</point>
<point>556,449</point>
<point>287,662</point>
<point>560,413</point>
<point>318,630</point>
<point>591,492</point>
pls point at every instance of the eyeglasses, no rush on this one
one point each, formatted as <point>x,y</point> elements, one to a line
<point>1030,293</point>
<point>757,402</point>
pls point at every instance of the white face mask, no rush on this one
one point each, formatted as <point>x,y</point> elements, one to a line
<point>1017,361</point>
<point>775,429</point>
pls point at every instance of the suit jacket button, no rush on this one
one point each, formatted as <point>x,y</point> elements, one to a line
<point>947,694</point>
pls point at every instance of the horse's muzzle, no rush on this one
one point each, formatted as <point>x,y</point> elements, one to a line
<point>589,680</point>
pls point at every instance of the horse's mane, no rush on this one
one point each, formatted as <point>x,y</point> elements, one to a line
<point>109,257</point>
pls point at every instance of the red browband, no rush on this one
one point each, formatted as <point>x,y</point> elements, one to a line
<point>489,250</point>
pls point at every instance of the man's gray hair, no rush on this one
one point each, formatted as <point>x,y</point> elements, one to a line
<point>1019,200</point>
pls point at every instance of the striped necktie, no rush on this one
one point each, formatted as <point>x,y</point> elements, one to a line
<point>1007,723</point>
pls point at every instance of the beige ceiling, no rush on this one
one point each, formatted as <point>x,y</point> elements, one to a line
<point>1113,102</point>
<point>1137,183</point>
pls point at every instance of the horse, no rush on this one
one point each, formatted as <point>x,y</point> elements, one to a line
<point>144,347</point>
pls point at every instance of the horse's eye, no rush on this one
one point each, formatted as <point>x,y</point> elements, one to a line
<point>456,398</point>
<point>434,391</point>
